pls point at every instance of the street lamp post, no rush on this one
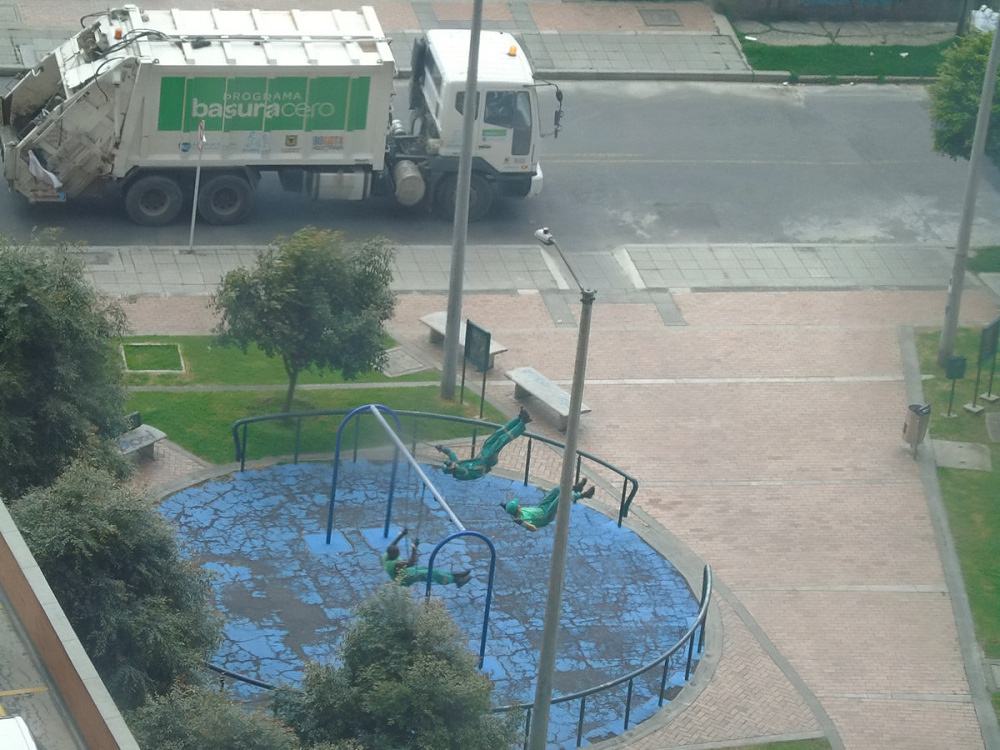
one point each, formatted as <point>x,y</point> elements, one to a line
<point>946,346</point>
<point>460,228</point>
<point>547,657</point>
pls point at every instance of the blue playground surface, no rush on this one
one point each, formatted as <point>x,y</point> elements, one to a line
<point>287,597</point>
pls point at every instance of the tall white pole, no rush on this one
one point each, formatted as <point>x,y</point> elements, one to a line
<point>197,184</point>
<point>538,733</point>
<point>460,229</point>
<point>950,329</point>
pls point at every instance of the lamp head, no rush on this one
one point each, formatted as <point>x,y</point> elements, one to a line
<point>545,236</point>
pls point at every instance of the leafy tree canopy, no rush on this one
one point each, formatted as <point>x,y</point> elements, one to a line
<point>955,99</point>
<point>314,301</point>
<point>191,718</point>
<point>141,612</point>
<point>407,681</point>
<point>60,377</point>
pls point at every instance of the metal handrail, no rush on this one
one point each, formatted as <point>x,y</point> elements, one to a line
<point>686,640</point>
<point>239,431</point>
<point>630,487</point>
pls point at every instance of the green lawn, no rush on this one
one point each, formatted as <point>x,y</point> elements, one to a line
<point>986,260</point>
<point>970,497</point>
<point>152,357</point>
<point>842,60</point>
<point>200,422</point>
<point>210,364</point>
<point>820,744</point>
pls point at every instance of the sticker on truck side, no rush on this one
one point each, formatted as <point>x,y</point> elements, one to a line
<point>260,103</point>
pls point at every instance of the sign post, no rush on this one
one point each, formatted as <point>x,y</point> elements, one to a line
<point>197,183</point>
<point>988,350</point>
<point>477,351</point>
<point>954,370</point>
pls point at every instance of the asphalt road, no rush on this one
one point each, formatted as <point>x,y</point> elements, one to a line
<point>660,162</point>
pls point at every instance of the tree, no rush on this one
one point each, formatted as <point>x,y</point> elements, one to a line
<point>140,611</point>
<point>60,377</point>
<point>191,718</point>
<point>314,301</point>
<point>955,99</point>
<point>407,681</point>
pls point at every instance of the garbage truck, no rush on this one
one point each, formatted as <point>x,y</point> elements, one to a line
<point>140,103</point>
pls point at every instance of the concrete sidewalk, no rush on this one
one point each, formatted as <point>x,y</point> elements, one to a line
<point>563,40</point>
<point>591,40</point>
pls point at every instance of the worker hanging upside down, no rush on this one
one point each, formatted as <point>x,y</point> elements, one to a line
<point>474,468</point>
<point>534,517</point>
<point>407,572</point>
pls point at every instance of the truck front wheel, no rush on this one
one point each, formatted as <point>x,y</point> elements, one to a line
<point>154,200</point>
<point>481,195</point>
<point>225,199</point>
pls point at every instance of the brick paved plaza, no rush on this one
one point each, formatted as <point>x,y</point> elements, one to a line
<point>766,436</point>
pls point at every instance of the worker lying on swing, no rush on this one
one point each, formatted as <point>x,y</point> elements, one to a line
<point>534,517</point>
<point>474,468</point>
<point>407,572</point>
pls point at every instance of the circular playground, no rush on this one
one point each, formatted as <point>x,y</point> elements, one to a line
<point>286,587</point>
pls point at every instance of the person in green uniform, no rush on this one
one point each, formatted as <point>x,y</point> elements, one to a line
<point>474,468</point>
<point>407,572</point>
<point>534,517</point>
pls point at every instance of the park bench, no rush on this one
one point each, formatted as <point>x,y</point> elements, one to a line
<point>529,381</point>
<point>140,439</point>
<point>437,321</point>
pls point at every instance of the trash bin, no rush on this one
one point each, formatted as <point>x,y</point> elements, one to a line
<point>918,416</point>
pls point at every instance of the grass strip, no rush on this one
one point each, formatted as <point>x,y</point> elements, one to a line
<point>200,422</point>
<point>208,363</point>
<point>152,357</point>
<point>815,744</point>
<point>835,60</point>
<point>970,497</point>
<point>986,260</point>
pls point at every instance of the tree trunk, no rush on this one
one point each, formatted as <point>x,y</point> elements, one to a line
<point>293,377</point>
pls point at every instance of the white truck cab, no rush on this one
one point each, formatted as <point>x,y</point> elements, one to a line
<point>507,128</point>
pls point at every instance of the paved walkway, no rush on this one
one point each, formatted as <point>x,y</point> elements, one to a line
<point>564,39</point>
<point>764,427</point>
<point>424,268</point>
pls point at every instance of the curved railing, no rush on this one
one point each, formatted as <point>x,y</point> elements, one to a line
<point>692,641</point>
<point>241,435</point>
<point>688,640</point>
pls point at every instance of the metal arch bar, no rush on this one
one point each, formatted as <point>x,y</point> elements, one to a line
<point>413,462</point>
<point>630,480</point>
<point>336,455</point>
<point>489,583</point>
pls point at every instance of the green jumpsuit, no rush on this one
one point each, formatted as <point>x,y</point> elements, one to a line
<point>474,468</point>
<point>412,574</point>
<point>542,514</point>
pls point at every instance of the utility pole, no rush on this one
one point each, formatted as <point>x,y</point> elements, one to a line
<point>948,332</point>
<point>538,733</point>
<point>460,228</point>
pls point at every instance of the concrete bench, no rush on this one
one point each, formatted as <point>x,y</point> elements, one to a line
<point>529,381</point>
<point>140,440</point>
<point>437,322</point>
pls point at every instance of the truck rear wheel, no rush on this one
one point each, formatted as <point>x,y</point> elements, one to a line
<point>225,199</point>
<point>481,195</point>
<point>154,200</point>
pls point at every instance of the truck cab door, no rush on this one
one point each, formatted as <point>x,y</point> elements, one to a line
<point>506,136</point>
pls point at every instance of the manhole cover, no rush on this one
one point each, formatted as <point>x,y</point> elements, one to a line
<point>993,426</point>
<point>660,17</point>
<point>398,363</point>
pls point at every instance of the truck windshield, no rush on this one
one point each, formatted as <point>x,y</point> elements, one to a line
<point>511,110</point>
